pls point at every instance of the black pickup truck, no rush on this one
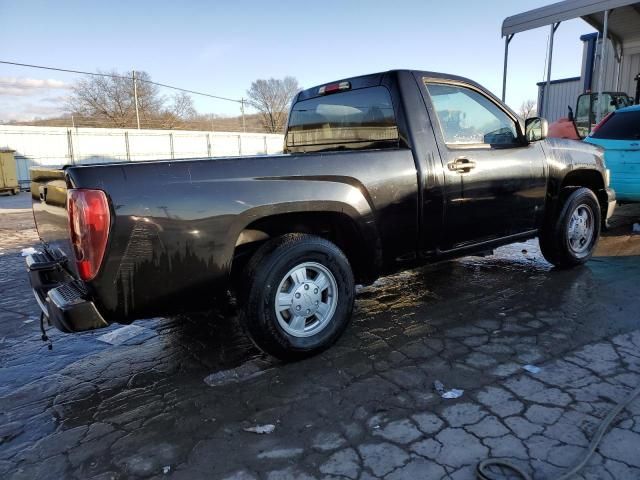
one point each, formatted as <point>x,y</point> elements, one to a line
<point>380,173</point>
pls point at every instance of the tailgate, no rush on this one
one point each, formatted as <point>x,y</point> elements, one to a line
<point>49,202</point>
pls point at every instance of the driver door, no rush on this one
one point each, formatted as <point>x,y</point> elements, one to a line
<point>495,182</point>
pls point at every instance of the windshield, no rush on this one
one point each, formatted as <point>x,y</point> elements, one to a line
<point>620,126</point>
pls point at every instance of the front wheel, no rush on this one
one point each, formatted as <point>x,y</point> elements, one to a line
<point>298,293</point>
<point>570,238</point>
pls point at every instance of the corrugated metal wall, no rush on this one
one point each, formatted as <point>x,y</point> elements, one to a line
<point>565,92</point>
<point>62,146</point>
<point>618,79</point>
<point>561,94</point>
<point>630,68</point>
<point>610,69</point>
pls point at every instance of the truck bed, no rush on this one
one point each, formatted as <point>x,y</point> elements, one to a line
<point>175,224</point>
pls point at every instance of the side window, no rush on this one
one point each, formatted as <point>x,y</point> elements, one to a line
<point>467,117</point>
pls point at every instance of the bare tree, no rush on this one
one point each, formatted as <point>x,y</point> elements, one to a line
<point>180,111</point>
<point>272,98</point>
<point>528,109</point>
<point>110,100</point>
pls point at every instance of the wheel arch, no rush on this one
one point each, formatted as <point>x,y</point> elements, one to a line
<point>590,178</point>
<point>352,232</point>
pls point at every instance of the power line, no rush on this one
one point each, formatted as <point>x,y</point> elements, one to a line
<point>111,75</point>
<point>63,70</point>
<point>194,92</point>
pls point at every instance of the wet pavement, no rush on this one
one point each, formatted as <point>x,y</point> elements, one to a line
<point>174,397</point>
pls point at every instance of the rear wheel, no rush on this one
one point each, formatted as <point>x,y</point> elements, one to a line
<point>570,238</point>
<point>14,191</point>
<point>297,298</point>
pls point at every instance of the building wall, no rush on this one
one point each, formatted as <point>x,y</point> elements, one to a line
<point>617,76</point>
<point>63,146</point>
<point>630,68</point>
<point>562,93</point>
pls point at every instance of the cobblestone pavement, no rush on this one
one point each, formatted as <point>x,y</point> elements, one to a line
<point>175,400</point>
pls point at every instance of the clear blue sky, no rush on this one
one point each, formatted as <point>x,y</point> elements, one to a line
<point>221,46</point>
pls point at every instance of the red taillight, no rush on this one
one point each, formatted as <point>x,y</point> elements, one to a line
<point>602,122</point>
<point>89,220</point>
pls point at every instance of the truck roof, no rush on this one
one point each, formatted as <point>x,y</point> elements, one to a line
<point>374,79</point>
<point>632,108</point>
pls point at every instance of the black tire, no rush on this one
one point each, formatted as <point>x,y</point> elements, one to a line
<point>555,239</point>
<point>260,284</point>
<point>14,192</point>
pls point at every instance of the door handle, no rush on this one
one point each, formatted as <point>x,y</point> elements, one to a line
<point>461,165</point>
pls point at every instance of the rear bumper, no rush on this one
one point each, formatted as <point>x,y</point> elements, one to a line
<point>61,297</point>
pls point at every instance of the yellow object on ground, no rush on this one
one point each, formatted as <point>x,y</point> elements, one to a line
<point>8,172</point>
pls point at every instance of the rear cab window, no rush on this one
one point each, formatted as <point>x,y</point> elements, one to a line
<point>347,120</point>
<point>620,126</point>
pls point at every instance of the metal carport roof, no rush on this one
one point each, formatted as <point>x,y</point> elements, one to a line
<point>616,20</point>
<point>623,23</point>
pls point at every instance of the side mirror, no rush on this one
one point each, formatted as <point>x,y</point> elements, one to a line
<point>536,128</point>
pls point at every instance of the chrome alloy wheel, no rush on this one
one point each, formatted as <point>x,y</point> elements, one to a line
<point>581,229</point>
<point>306,299</point>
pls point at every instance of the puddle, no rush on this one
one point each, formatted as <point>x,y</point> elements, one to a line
<point>123,334</point>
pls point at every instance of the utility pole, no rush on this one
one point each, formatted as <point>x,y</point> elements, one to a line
<point>244,126</point>
<point>135,98</point>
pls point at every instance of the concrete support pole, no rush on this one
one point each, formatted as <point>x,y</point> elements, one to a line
<point>603,61</point>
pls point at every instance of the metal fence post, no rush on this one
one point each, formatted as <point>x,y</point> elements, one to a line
<point>126,144</point>
<point>70,146</point>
